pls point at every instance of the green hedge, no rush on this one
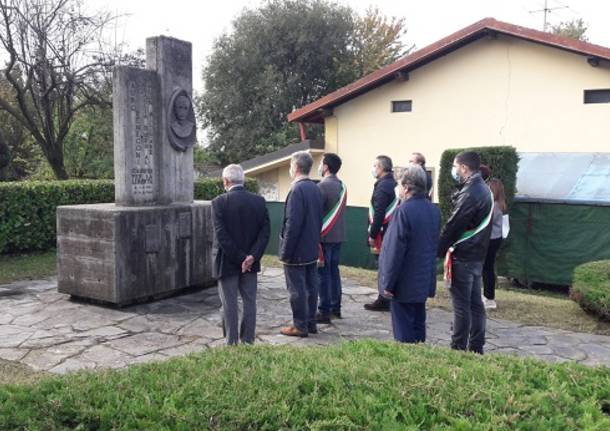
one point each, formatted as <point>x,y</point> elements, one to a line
<point>503,162</point>
<point>591,287</point>
<point>27,209</point>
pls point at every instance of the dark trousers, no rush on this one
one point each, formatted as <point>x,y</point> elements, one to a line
<point>380,299</point>
<point>408,321</point>
<point>302,283</point>
<point>330,280</point>
<point>468,309</point>
<point>489,269</point>
<point>228,289</point>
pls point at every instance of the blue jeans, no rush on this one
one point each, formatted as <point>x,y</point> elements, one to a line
<point>408,321</point>
<point>468,309</point>
<point>302,283</point>
<point>330,280</point>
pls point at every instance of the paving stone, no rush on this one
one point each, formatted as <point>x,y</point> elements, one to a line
<point>43,360</point>
<point>10,354</point>
<point>569,352</point>
<point>146,342</point>
<point>105,356</point>
<point>202,328</point>
<point>62,335</point>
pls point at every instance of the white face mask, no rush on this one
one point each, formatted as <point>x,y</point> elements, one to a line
<point>291,172</point>
<point>321,170</point>
<point>454,174</point>
<point>374,172</point>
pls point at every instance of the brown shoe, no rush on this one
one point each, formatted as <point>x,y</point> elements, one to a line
<point>291,331</point>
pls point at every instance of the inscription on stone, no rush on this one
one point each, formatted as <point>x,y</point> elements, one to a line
<point>184,225</point>
<point>142,112</point>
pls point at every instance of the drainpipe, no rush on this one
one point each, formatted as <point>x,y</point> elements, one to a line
<point>302,130</point>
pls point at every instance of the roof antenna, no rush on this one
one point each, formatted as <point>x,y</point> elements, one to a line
<point>547,10</point>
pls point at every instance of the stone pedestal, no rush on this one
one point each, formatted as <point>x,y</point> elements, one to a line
<point>154,240</point>
<point>122,255</point>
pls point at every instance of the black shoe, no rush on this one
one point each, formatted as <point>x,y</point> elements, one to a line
<point>378,305</point>
<point>323,318</point>
<point>313,330</point>
<point>336,315</point>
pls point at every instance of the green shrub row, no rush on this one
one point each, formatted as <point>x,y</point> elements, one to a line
<point>27,209</point>
<point>503,162</point>
<point>591,287</point>
<point>364,385</point>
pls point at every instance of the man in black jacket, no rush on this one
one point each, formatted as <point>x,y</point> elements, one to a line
<point>241,227</point>
<point>383,205</point>
<point>299,245</point>
<point>466,238</point>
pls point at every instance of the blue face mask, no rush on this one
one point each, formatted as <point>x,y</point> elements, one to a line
<point>455,175</point>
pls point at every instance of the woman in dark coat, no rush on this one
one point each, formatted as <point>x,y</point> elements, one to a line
<point>407,264</point>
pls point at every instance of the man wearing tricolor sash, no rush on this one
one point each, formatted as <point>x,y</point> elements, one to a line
<point>383,205</point>
<point>334,198</point>
<point>463,245</point>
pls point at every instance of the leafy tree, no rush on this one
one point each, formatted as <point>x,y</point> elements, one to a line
<point>377,41</point>
<point>281,56</point>
<point>575,29</point>
<point>54,67</point>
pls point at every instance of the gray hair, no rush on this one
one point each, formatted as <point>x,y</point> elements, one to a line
<point>234,174</point>
<point>414,177</point>
<point>303,161</point>
<point>386,163</point>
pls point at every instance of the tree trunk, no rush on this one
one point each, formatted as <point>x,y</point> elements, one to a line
<point>57,164</point>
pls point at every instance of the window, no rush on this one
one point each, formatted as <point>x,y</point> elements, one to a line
<point>597,96</point>
<point>402,105</point>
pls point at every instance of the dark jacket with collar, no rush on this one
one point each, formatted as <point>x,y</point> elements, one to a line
<point>471,204</point>
<point>407,263</point>
<point>300,232</point>
<point>330,187</point>
<point>241,228</point>
<point>383,195</point>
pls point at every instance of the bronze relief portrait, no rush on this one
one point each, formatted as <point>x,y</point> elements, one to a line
<point>181,125</point>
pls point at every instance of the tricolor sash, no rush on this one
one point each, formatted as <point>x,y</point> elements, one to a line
<point>389,212</point>
<point>465,236</point>
<point>330,219</point>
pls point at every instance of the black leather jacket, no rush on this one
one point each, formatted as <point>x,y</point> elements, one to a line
<point>471,204</point>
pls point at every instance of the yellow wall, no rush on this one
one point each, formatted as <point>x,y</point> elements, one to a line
<point>280,175</point>
<point>492,92</point>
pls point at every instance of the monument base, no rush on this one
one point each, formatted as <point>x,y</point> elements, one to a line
<point>122,255</point>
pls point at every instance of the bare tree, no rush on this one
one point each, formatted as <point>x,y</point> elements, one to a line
<point>55,67</point>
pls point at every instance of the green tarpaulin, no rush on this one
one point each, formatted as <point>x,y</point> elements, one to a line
<point>548,240</point>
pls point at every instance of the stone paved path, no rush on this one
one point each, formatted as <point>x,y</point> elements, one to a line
<point>48,331</point>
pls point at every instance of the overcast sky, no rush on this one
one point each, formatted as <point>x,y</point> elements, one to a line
<point>200,22</point>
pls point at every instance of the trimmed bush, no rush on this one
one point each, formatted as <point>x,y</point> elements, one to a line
<point>364,385</point>
<point>503,162</point>
<point>27,209</point>
<point>591,288</point>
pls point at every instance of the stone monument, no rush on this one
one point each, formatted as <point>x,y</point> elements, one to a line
<point>154,240</point>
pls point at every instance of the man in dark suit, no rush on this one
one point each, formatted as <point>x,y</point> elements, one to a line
<point>299,245</point>
<point>407,264</point>
<point>381,210</point>
<point>241,227</point>
<point>334,199</point>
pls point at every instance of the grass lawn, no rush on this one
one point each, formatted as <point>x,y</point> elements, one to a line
<point>31,266</point>
<point>530,307</point>
<point>363,385</point>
